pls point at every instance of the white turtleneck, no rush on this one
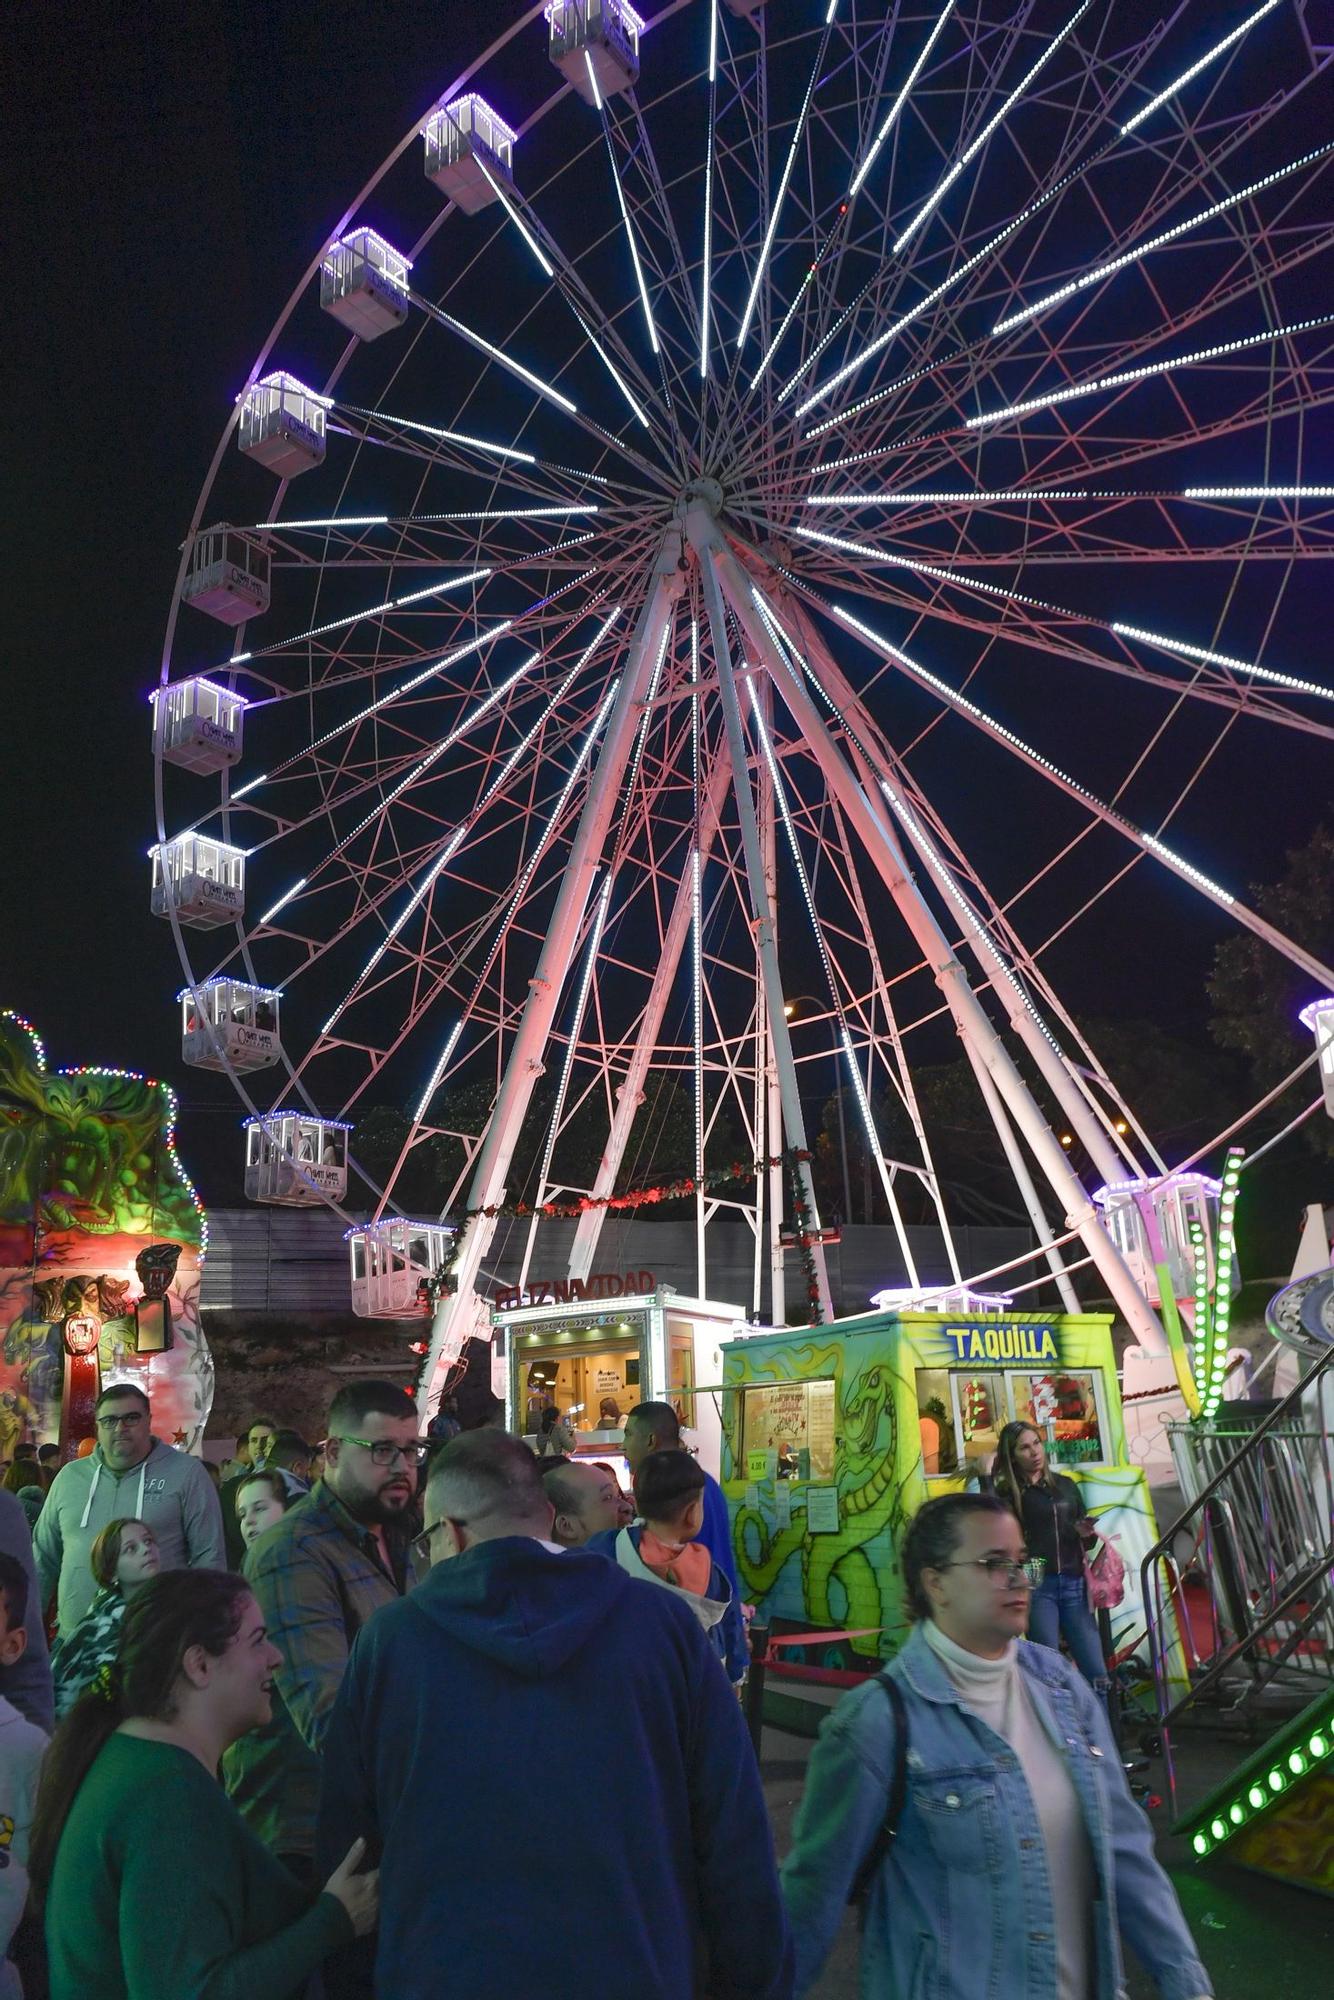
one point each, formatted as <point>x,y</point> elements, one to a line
<point>995,1692</point>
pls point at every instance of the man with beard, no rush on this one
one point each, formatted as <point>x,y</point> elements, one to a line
<point>334,1558</point>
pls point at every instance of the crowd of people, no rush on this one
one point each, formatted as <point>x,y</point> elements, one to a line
<point>460,1716</point>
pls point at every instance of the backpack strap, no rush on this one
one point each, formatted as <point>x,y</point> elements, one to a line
<point>887,1832</point>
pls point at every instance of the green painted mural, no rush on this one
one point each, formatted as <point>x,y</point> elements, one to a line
<point>832,1438</point>
<point>90,1184</point>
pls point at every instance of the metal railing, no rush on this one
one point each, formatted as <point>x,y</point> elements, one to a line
<point>1259,1536</point>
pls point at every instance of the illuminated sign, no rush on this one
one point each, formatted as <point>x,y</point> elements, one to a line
<point>573,1291</point>
<point>1002,1343</point>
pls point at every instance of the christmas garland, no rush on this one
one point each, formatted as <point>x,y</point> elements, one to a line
<point>440,1284</point>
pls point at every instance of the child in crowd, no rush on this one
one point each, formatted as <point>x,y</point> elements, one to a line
<point>665,1549</point>
<point>124,1556</point>
<point>22,1745</point>
<point>261,1502</point>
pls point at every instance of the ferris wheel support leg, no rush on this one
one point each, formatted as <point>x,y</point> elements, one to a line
<point>1051,1062</point>
<point>970,1017</point>
<point>589,1227</point>
<point>761,907</point>
<point>460,1314</point>
<point>1023,1180</point>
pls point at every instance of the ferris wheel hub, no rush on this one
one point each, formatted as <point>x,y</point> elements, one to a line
<point>702,492</point>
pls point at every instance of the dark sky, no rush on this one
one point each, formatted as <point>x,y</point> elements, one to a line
<point>171,170</point>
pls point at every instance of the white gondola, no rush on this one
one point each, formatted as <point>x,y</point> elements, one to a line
<point>1319,1018</point>
<point>1151,1226</point>
<point>469,152</point>
<point>227,575</point>
<point>227,1023</point>
<point>283,424</point>
<point>202,879</point>
<point>198,724</point>
<point>595,44</point>
<point>364,284</point>
<point>295,1159</point>
<point>391,1261</point>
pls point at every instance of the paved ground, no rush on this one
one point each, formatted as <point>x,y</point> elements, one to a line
<point>1258,1938</point>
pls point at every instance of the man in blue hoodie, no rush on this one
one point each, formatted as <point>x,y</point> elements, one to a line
<point>512,1654</point>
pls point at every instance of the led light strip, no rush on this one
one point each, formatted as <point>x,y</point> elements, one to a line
<point>965,158</point>
<point>1211,1395</point>
<point>706,279</point>
<point>354,617</point>
<point>1165,236</point>
<point>1125,375</point>
<point>797,135</point>
<point>1200,1330</point>
<point>1263,1793</point>
<point>434,431</point>
<point>1210,55</point>
<point>878,396</point>
<point>1212,659</point>
<point>625,213</point>
<point>1149,841</point>
<point>899,102</point>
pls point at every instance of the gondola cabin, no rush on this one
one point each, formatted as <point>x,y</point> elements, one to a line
<point>282,424</point>
<point>1319,1018</point>
<point>201,878</point>
<point>227,1024</point>
<point>1151,1224</point>
<point>834,1436</point>
<point>595,45</point>
<point>227,575</point>
<point>391,1262</point>
<point>469,152</point>
<point>198,724</point>
<point>364,284</point>
<point>294,1159</point>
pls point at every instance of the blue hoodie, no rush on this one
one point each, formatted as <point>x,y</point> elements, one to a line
<point>556,1778</point>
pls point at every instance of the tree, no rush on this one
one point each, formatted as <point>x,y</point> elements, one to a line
<point>1255,993</point>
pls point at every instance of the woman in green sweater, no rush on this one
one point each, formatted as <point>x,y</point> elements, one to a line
<point>152,1885</point>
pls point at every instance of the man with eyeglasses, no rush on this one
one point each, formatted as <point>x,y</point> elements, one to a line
<point>130,1475</point>
<point>319,1574</point>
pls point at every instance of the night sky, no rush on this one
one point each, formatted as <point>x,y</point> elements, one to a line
<point>171,170</point>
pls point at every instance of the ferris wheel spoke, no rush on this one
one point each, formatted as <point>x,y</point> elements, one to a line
<point>1026,621</point>
<point>1148,843</point>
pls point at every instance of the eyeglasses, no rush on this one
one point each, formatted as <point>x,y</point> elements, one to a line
<point>1027,1570</point>
<point>421,1545</point>
<point>384,1453</point>
<point>130,1417</point>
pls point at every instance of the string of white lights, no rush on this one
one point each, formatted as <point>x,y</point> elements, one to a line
<point>1144,373</point>
<point>355,617</point>
<point>1158,242</point>
<point>1249,667</point>
<point>798,133</point>
<point>896,107</point>
<point>1209,56</point>
<point>971,152</point>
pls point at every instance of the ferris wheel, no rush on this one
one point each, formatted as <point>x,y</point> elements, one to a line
<point>768,514</point>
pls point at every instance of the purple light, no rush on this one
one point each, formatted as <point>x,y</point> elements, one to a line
<point>356,241</point>
<point>237,986</point>
<point>618,8</point>
<point>387,1222</point>
<point>197,680</point>
<point>298,1118</point>
<point>1184,1178</point>
<point>283,382</point>
<point>1313,1010</point>
<point>471,105</point>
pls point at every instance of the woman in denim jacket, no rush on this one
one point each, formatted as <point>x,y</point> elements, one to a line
<point>1020,1858</point>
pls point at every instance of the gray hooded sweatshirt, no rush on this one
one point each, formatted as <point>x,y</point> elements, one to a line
<point>169,1490</point>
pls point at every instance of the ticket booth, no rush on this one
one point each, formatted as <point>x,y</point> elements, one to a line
<point>834,1436</point>
<point>596,1356</point>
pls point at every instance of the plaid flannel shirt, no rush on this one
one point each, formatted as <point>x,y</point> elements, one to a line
<point>318,1576</point>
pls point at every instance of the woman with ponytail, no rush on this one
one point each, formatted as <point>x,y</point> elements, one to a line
<point>151,1884</point>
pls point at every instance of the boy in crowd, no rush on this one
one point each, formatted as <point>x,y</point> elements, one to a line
<point>666,1549</point>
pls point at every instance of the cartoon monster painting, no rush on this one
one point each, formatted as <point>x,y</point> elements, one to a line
<point>89,1180</point>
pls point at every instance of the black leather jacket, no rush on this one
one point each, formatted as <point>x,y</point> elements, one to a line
<point>1049,1513</point>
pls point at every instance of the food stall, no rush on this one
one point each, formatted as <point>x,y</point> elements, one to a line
<point>622,1340</point>
<point>834,1436</point>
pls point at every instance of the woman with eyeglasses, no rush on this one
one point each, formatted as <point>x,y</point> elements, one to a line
<point>1018,1859</point>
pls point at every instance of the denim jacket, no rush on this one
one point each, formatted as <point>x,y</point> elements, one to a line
<point>962,1907</point>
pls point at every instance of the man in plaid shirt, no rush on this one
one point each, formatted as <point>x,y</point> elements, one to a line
<point>318,1574</point>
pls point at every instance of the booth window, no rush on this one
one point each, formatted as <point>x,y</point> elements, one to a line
<point>793,1419</point>
<point>1063,1408</point>
<point>960,1415</point>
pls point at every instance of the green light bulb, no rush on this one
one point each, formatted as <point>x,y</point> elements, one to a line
<point>1236,1814</point>
<point>1296,1763</point>
<point>1318,1745</point>
<point>1276,1781</point>
<point>1201,1843</point>
<point>1256,1797</point>
<point>1218,1830</point>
